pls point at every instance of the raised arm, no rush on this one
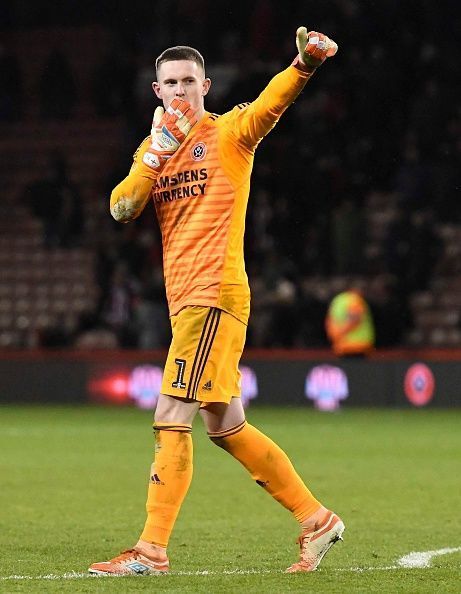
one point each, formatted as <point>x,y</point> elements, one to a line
<point>259,117</point>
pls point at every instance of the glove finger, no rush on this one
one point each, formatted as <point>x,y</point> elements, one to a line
<point>182,131</point>
<point>178,107</point>
<point>193,120</point>
<point>184,105</point>
<point>332,47</point>
<point>182,121</point>
<point>190,113</point>
<point>185,124</point>
<point>324,43</point>
<point>301,40</point>
<point>317,45</point>
<point>176,132</point>
<point>170,119</point>
<point>177,104</point>
<point>158,114</point>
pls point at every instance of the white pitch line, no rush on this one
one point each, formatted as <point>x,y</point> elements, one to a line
<point>413,560</point>
<point>423,559</point>
<point>50,576</point>
<point>74,575</point>
<point>362,569</point>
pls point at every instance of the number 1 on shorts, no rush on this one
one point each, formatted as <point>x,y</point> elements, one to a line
<point>179,383</point>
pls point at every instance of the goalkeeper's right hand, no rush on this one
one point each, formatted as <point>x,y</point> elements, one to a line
<point>314,48</point>
<point>169,130</point>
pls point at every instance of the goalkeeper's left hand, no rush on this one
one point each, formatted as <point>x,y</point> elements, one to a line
<point>314,48</point>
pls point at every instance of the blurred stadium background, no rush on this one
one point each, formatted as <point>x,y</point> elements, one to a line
<point>359,183</point>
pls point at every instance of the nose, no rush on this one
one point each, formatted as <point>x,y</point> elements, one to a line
<point>179,90</point>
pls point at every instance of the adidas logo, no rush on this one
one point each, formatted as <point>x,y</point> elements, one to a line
<point>207,386</point>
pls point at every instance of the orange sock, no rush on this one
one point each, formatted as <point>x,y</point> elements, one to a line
<point>269,466</point>
<point>171,475</point>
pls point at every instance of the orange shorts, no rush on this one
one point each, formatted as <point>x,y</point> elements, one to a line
<point>203,360</point>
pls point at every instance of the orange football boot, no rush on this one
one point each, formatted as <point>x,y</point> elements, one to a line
<point>315,545</point>
<point>131,562</point>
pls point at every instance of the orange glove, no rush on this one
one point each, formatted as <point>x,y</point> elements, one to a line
<point>314,48</point>
<point>169,130</point>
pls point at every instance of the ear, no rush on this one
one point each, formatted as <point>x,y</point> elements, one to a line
<point>206,86</point>
<point>156,89</point>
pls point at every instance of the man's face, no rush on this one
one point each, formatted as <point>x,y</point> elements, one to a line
<point>182,79</point>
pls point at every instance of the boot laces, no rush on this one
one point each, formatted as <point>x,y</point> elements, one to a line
<point>127,554</point>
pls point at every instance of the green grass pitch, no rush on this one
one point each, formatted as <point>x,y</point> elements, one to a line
<point>73,487</point>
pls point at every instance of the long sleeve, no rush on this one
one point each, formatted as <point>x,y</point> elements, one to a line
<point>131,195</point>
<point>258,118</point>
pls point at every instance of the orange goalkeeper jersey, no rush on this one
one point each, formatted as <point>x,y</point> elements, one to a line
<point>201,198</point>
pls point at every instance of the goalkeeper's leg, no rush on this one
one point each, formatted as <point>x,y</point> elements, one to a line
<point>271,468</point>
<point>170,478</point>
<point>266,462</point>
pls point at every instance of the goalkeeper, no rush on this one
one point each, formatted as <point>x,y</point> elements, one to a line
<point>196,167</point>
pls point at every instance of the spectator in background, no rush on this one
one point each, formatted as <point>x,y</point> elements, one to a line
<point>349,325</point>
<point>113,81</point>
<point>312,312</point>
<point>262,29</point>
<point>444,173</point>
<point>424,249</point>
<point>225,70</point>
<point>92,333</point>
<point>389,310</point>
<point>150,315</point>
<point>57,88</point>
<point>70,217</point>
<point>275,303</point>
<point>347,236</point>
<point>411,180</point>
<point>395,244</point>
<point>56,335</point>
<point>118,304</point>
<point>427,117</point>
<point>56,201</point>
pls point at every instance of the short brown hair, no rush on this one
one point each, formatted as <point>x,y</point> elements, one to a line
<point>180,52</point>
